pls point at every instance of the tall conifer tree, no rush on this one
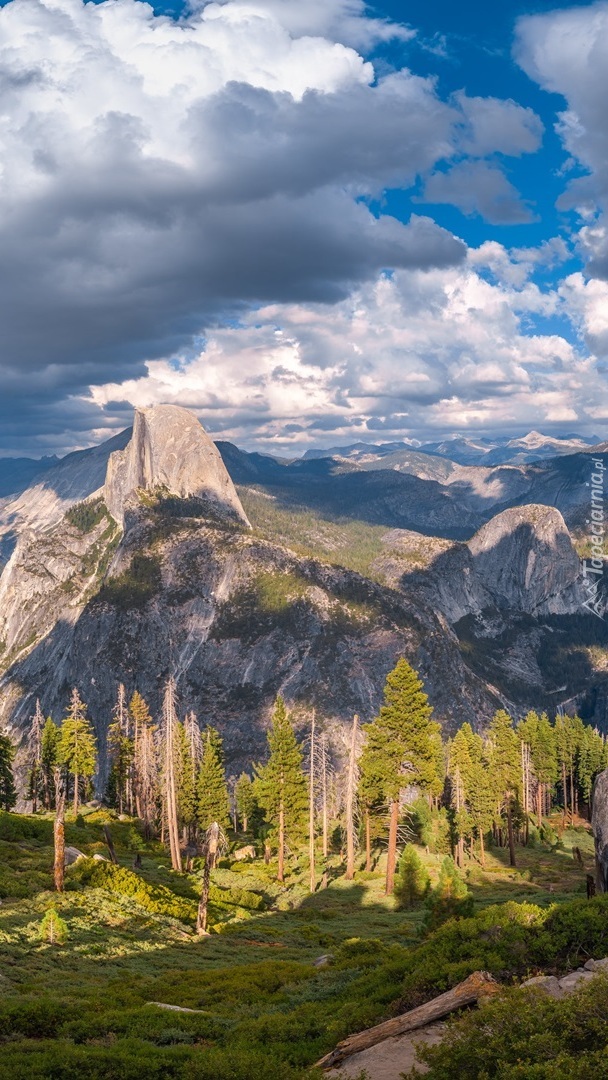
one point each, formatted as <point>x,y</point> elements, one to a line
<point>76,746</point>
<point>8,792</point>
<point>212,803</point>
<point>280,785</point>
<point>403,741</point>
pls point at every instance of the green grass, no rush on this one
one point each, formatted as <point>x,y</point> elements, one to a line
<point>266,1013</point>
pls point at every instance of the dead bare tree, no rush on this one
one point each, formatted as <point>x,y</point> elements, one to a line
<point>311,808</point>
<point>213,846</point>
<point>59,829</point>
<point>351,787</point>
<point>169,723</point>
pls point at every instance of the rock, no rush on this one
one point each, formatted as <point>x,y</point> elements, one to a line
<point>601,965</point>
<point>574,979</point>
<point>247,852</point>
<point>100,858</point>
<point>323,961</point>
<point>599,824</point>
<point>590,965</point>
<point>170,450</point>
<point>549,984</point>
<point>173,1008</point>
<point>72,855</point>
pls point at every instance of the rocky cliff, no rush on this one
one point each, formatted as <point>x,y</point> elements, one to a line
<point>159,573</point>
<point>169,451</point>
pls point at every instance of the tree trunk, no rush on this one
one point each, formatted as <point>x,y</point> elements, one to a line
<point>368,841</point>
<point>211,849</point>
<point>281,867</point>
<point>564,788</point>
<point>392,847</point>
<point>350,804</point>
<point>110,844</point>
<point>59,834</point>
<point>75,793</point>
<point>245,823</point>
<point>539,805</point>
<point>482,850</point>
<point>311,809</point>
<point>510,834</point>
<point>324,797</point>
<point>572,791</point>
<point>477,985</point>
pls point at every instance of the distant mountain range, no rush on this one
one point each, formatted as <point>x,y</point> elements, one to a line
<point>246,575</point>
<point>467,451</point>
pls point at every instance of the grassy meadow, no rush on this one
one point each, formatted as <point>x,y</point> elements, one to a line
<point>262,1009</point>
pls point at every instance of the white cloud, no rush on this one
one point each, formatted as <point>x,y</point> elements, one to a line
<point>411,354</point>
<point>477,187</point>
<point>566,52</point>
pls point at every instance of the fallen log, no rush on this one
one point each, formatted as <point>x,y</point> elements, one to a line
<point>478,985</point>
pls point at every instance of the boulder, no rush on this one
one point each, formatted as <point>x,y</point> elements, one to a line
<point>323,961</point>
<point>100,858</point>
<point>574,980</point>
<point>549,984</point>
<point>247,852</point>
<point>72,855</point>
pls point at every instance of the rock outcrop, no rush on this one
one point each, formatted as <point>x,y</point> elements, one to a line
<point>170,451</point>
<point>520,561</point>
<point>599,802</point>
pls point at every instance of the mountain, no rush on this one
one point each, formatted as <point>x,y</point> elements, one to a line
<point>158,572</point>
<point>17,473</point>
<point>463,451</point>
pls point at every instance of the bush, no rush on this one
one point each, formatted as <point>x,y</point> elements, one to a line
<point>135,587</point>
<point>527,1036</point>
<point>412,882</point>
<point>154,898</point>
<point>450,899</point>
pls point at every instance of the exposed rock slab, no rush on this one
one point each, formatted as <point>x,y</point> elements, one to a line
<point>599,821</point>
<point>169,450</point>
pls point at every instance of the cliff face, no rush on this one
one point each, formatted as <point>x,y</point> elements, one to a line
<point>520,561</point>
<point>600,829</point>
<point>169,450</point>
<point>166,578</point>
<point>238,620</point>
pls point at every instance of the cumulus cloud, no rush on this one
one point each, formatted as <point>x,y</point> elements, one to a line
<point>157,175</point>
<point>413,353</point>
<point>566,52</point>
<point>477,187</point>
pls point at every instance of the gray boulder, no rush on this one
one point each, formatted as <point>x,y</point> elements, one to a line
<point>72,855</point>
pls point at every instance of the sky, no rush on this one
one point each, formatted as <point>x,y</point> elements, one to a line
<point>313,222</point>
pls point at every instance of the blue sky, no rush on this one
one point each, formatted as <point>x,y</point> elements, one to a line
<point>309,222</point>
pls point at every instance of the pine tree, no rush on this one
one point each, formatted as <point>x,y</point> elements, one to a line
<point>280,785</point>
<point>402,740</point>
<point>479,793</point>
<point>49,749</point>
<point>505,766</point>
<point>191,752</point>
<point>460,768</point>
<point>53,928</point>
<point>146,779</point>
<point>121,752</point>
<point>412,880</point>
<point>35,788</point>
<point>245,799</point>
<point>212,801</point>
<point>450,899</point>
<point>77,747</point>
<point>8,792</point>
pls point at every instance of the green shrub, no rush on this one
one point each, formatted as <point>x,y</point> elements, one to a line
<point>450,899</point>
<point>412,882</point>
<point>527,1036</point>
<point>154,898</point>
